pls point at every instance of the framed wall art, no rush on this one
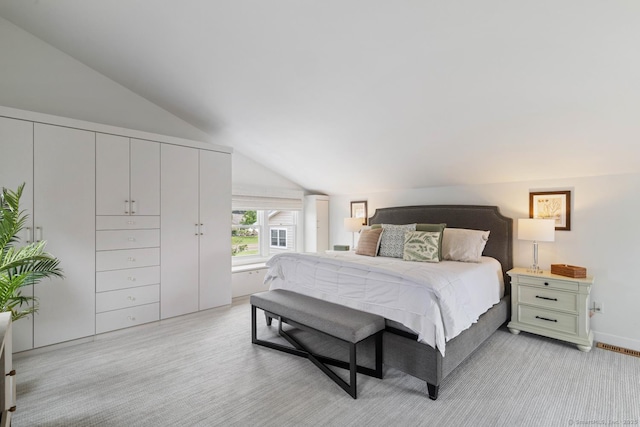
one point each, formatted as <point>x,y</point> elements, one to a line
<point>551,205</point>
<point>359,210</point>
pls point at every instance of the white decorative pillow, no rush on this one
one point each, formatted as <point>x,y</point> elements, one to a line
<point>392,243</point>
<point>421,246</point>
<point>461,244</point>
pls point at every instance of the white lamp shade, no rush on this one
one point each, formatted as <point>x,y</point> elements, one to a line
<point>353,225</point>
<point>536,229</point>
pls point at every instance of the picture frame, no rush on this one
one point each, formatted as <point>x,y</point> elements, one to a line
<point>551,205</point>
<point>359,210</point>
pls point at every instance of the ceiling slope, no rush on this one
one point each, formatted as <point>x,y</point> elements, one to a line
<point>371,95</point>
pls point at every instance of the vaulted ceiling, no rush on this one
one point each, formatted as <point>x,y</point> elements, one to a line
<point>354,96</point>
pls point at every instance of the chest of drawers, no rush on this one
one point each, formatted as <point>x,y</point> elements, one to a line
<point>551,305</point>
<point>128,271</point>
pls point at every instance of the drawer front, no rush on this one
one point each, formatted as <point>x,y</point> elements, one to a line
<point>124,222</point>
<point>115,300</point>
<point>548,298</point>
<point>127,239</point>
<point>127,317</point>
<point>564,285</point>
<point>548,319</point>
<point>129,258</point>
<point>121,279</point>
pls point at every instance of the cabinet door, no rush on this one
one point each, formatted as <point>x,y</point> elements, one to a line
<point>112,175</point>
<point>215,240</point>
<point>64,214</point>
<point>179,231</point>
<point>145,177</point>
<point>322,230</point>
<point>16,148</point>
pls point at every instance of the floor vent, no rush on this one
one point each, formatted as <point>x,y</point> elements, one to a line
<point>619,349</point>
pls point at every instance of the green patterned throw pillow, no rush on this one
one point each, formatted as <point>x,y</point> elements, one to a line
<point>421,246</point>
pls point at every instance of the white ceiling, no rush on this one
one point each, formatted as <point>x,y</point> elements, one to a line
<point>356,96</point>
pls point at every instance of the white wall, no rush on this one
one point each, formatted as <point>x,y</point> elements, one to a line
<point>38,77</point>
<point>250,173</point>
<point>603,238</point>
<point>35,76</point>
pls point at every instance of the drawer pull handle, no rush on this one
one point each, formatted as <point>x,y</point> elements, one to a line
<point>131,259</point>
<point>547,298</point>
<point>548,320</point>
<point>131,279</point>
<point>131,298</point>
<point>131,318</point>
<point>132,239</point>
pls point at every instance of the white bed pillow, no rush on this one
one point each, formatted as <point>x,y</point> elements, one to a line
<point>392,243</point>
<point>461,244</point>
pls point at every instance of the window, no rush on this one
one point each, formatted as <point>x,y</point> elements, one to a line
<point>278,238</point>
<point>248,228</point>
<point>264,222</point>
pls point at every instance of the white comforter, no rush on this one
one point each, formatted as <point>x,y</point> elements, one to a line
<point>436,300</point>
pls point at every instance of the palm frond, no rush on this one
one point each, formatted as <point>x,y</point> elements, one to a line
<point>22,266</point>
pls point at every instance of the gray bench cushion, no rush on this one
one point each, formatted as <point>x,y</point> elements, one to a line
<point>333,319</point>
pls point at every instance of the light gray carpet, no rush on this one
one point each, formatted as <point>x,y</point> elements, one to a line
<point>202,370</point>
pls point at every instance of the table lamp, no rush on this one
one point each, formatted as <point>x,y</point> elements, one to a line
<point>538,230</point>
<point>353,225</point>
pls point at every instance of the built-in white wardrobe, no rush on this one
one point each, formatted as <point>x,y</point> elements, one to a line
<point>139,221</point>
<point>316,223</point>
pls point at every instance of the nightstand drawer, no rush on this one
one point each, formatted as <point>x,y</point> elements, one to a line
<point>548,319</point>
<point>564,285</point>
<point>548,298</point>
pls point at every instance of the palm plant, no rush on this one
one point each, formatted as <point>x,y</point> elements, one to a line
<point>20,266</point>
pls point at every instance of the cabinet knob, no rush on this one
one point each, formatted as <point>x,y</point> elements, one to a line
<point>11,373</point>
<point>12,409</point>
<point>546,283</point>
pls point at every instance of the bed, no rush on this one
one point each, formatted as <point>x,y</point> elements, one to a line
<point>407,345</point>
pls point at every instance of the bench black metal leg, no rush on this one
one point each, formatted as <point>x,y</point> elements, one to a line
<point>268,319</point>
<point>321,361</point>
<point>433,391</point>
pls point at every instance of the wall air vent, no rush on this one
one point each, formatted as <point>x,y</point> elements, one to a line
<point>619,349</point>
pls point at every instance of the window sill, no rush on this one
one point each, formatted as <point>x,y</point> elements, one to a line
<point>248,267</point>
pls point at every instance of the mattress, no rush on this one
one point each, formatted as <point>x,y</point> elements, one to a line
<point>436,300</point>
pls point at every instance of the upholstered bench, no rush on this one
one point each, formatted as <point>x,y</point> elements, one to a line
<point>320,317</point>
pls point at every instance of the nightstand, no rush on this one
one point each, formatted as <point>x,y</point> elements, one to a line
<point>551,305</point>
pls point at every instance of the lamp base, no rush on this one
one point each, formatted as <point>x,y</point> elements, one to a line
<point>535,269</point>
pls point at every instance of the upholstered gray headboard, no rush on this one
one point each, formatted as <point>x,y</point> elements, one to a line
<point>500,244</point>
